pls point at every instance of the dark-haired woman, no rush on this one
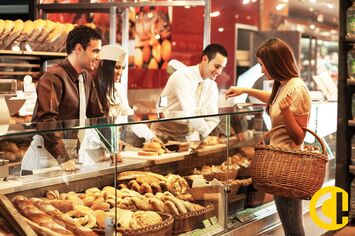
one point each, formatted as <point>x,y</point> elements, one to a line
<point>113,99</point>
<point>287,104</point>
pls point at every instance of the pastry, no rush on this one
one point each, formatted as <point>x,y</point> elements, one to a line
<point>156,204</point>
<point>170,208</point>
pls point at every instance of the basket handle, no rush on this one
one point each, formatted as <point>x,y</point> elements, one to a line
<point>261,141</point>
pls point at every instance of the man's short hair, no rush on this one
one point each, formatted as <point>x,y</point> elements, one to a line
<point>81,34</point>
<point>211,50</point>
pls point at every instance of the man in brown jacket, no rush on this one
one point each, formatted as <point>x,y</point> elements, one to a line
<point>58,90</point>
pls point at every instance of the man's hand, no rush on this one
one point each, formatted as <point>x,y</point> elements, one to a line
<point>68,165</point>
<point>285,103</point>
<point>234,91</point>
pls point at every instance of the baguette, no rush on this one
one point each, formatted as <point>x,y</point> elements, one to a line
<point>62,219</point>
<point>33,213</point>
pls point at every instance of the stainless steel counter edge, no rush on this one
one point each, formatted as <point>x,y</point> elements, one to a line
<point>49,178</point>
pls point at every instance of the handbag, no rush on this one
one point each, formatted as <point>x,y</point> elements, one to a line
<point>286,172</point>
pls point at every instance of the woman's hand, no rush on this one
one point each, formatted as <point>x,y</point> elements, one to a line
<point>234,91</point>
<point>68,165</point>
<point>285,103</point>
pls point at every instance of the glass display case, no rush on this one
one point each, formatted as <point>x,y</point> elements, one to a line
<point>200,182</point>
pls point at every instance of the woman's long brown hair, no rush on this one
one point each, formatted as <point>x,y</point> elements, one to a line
<point>279,61</point>
<point>104,82</point>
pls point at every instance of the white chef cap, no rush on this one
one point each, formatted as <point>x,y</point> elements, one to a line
<point>113,53</point>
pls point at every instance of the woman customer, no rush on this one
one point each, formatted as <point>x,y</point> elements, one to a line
<point>287,104</point>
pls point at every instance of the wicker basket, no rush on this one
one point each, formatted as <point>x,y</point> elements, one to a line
<point>236,204</point>
<point>191,220</point>
<point>286,172</point>
<point>163,229</point>
<point>254,197</point>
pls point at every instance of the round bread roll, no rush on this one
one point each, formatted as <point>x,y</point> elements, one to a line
<point>100,218</point>
<point>152,147</point>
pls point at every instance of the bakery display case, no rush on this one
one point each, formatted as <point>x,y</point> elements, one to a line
<point>187,184</point>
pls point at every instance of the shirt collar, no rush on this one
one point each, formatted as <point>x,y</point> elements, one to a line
<point>197,74</point>
<point>73,74</point>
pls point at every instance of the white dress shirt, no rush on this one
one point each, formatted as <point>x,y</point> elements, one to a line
<point>180,91</point>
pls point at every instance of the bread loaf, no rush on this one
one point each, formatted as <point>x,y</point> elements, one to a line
<point>16,31</point>
<point>48,28</point>
<point>29,210</point>
<point>27,31</point>
<point>62,205</point>
<point>9,25</point>
<point>38,26</point>
<point>62,219</point>
<point>2,27</point>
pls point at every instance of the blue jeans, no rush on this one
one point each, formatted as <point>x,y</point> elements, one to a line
<point>291,216</point>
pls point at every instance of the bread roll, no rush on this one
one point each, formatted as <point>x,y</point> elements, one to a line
<point>100,218</point>
<point>145,188</point>
<point>152,147</point>
<point>170,208</point>
<point>141,204</point>
<point>127,175</point>
<point>52,194</point>
<point>157,52</point>
<point>155,187</point>
<point>100,206</point>
<point>156,204</point>
<point>178,203</point>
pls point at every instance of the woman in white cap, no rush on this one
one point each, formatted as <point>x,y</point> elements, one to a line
<point>113,99</point>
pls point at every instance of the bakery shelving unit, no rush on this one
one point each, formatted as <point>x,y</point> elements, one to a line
<point>346,124</point>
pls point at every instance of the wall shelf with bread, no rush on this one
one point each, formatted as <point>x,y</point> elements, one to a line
<point>175,188</point>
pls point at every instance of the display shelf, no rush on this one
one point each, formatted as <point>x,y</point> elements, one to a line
<point>350,82</point>
<point>350,39</point>
<point>35,53</point>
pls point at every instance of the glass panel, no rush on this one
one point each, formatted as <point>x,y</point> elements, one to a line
<point>35,128</point>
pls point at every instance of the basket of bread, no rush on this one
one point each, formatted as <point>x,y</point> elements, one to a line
<point>219,172</point>
<point>86,213</point>
<point>148,182</point>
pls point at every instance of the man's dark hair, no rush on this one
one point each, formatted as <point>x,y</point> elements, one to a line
<point>211,50</point>
<point>81,34</point>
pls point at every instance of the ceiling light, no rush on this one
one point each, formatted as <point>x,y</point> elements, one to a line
<point>280,6</point>
<point>215,14</point>
<point>312,26</point>
<point>312,1</point>
<point>220,29</point>
<point>320,18</point>
<point>246,2</point>
<point>187,7</point>
<point>330,5</point>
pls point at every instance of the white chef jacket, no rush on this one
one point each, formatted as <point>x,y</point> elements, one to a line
<point>122,108</point>
<point>180,91</point>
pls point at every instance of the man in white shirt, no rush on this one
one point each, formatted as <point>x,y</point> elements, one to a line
<point>193,91</point>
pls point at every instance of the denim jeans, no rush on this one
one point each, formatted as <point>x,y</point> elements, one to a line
<point>291,216</point>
